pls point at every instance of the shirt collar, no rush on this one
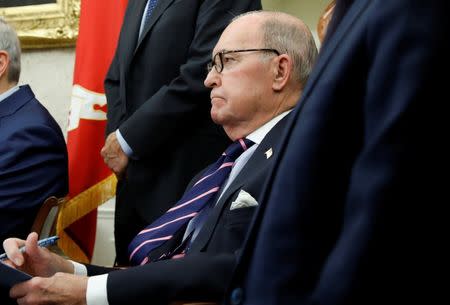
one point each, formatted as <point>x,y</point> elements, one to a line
<point>8,93</point>
<point>258,135</point>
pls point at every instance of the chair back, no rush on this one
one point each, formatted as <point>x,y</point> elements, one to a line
<point>45,221</point>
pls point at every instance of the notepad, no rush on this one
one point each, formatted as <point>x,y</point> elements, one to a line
<point>10,276</point>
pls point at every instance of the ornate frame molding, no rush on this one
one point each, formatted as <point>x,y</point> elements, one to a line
<point>45,25</point>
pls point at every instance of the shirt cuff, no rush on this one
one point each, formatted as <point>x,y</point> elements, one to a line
<point>96,293</point>
<point>79,269</point>
<point>123,144</point>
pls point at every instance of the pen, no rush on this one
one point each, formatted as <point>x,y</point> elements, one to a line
<point>46,242</point>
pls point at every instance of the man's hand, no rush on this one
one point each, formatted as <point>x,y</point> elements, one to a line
<point>36,260</point>
<point>62,289</point>
<point>114,156</point>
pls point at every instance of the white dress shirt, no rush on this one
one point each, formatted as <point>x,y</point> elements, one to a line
<point>123,144</point>
<point>97,294</point>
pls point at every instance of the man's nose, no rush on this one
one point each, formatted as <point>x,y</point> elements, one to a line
<point>212,79</point>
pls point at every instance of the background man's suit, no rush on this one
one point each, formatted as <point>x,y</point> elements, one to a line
<point>351,211</point>
<point>156,96</point>
<point>33,162</point>
<point>204,271</point>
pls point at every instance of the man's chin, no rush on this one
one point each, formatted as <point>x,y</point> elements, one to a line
<point>215,117</point>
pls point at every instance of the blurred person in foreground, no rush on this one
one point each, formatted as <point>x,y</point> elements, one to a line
<point>271,53</point>
<point>353,211</point>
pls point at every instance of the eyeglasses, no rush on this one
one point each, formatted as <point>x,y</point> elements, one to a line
<point>218,60</point>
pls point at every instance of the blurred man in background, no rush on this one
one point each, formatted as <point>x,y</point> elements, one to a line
<point>33,155</point>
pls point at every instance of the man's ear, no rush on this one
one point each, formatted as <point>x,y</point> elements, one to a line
<point>283,70</point>
<point>4,62</point>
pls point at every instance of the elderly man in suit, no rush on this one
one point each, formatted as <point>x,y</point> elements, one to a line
<point>158,107</point>
<point>257,73</point>
<point>33,155</point>
<point>354,211</point>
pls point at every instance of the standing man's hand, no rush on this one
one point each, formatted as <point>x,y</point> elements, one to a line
<point>114,156</point>
<point>62,289</point>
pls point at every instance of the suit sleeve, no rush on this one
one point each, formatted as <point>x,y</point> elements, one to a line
<point>112,89</point>
<point>183,100</point>
<point>26,158</point>
<point>198,277</point>
<point>33,166</point>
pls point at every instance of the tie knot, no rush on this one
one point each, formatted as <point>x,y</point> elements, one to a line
<point>237,148</point>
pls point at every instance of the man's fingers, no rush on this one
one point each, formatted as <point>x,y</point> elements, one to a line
<point>19,290</point>
<point>26,288</point>
<point>106,149</point>
<point>31,245</point>
<point>12,246</point>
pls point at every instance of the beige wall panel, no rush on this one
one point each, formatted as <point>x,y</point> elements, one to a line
<point>49,72</point>
<point>307,10</point>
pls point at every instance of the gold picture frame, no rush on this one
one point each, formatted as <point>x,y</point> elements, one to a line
<point>45,25</point>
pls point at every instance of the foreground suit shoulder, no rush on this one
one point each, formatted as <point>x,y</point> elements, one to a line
<point>349,192</point>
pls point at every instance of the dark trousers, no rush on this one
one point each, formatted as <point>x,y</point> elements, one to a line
<point>127,224</point>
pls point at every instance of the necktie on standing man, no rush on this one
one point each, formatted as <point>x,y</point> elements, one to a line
<point>193,201</point>
<point>149,7</point>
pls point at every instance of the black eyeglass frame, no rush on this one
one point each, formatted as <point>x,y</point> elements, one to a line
<point>220,54</point>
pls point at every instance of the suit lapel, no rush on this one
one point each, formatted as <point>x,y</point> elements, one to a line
<point>132,26</point>
<point>257,160</point>
<point>206,232</point>
<point>256,163</point>
<point>161,6</point>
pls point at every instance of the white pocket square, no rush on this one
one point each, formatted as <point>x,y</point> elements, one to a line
<point>243,200</point>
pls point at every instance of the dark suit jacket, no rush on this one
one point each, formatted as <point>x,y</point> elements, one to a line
<point>156,96</point>
<point>204,271</point>
<point>345,218</point>
<point>33,162</point>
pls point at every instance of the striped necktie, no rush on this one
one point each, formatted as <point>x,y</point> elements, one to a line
<point>204,191</point>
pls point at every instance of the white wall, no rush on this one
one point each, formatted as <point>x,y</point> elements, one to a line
<point>104,251</point>
<point>50,74</point>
